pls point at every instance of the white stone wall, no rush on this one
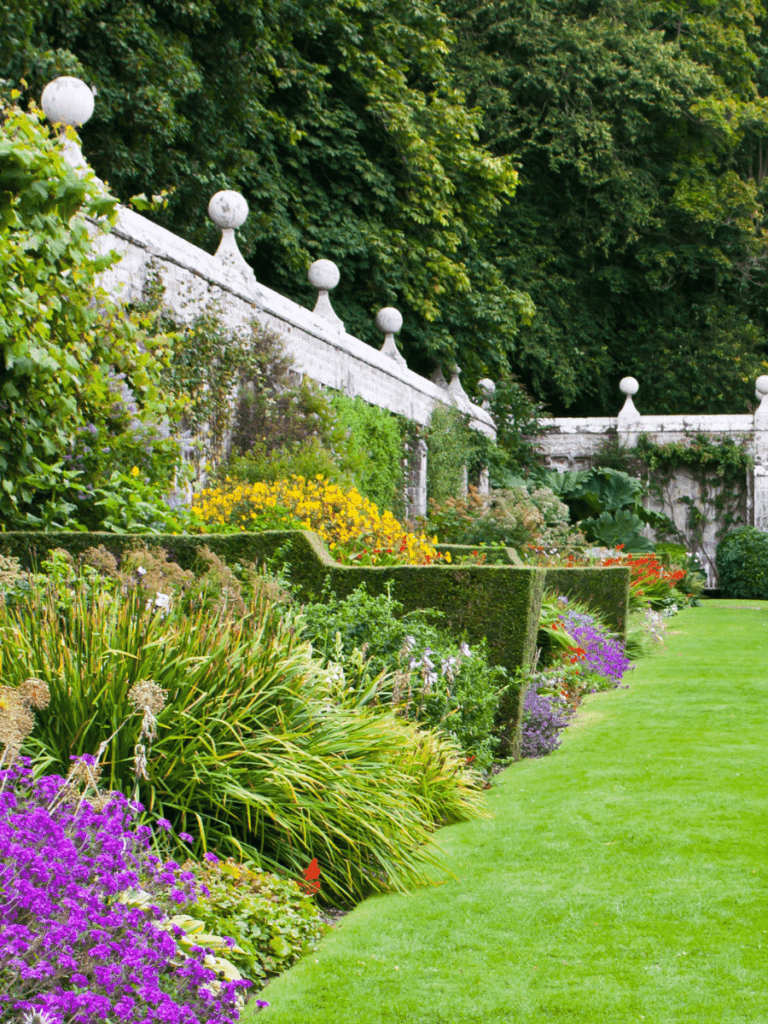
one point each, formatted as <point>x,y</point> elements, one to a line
<point>320,349</point>
<point>570,443</point>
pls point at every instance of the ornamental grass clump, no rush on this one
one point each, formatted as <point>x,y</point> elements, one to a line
<point>253,751</point>
<point>354,529</point>
<point>71,946</point>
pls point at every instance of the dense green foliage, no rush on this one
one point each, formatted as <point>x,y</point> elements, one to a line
<point>80,396</point>
<point>386,135</point>
<point>412,662</point>
<point>254,752</point>
<point>338,121</point>
<point>742,564</point>
<point>640,130</point>
<point>372,440</point>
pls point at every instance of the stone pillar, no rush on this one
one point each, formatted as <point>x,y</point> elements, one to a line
<point>629,419</point>
<point>416,482</point>
<point>484,483</point>
<point>760,472</point>
<point>324,275</point>
<point>464,484</point>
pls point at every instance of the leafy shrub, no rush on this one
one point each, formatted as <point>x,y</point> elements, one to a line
<point>742,563</point>
<point>373,450</point>
<point>450,449</point>
<point>606,503</point>
<point>271,920</point>
<point>409,662</point>
<point>69,942</point>
<point>354,529</point>
<point>515,518</point>
<point>82,377</point>
<point>248,745</point>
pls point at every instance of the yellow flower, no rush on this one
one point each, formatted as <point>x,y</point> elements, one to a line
<point>135,471</point>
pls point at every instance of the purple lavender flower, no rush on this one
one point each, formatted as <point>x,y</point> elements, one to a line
<point>603,655</point>
<point>68,949</point>
<point>543,721</point>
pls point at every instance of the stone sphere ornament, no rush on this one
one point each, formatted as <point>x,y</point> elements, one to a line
<point>761,386</point>
<point>389,320</point>
<point>67,100</point>
<point>228,209</point>
<point>323,275</point>
<point>628,386</point>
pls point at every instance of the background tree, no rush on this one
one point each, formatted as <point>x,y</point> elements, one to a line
<point>637,224</point>
<point>339,123</point>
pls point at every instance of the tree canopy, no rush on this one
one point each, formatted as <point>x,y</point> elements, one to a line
<point>572,190</point>
<point>339,123</point>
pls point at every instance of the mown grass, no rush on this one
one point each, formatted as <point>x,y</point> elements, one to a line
<point>622,879</point>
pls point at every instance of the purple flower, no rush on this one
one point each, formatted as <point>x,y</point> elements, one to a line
<point>164,824</point>
<point>211,857</point>
<point>185,836</point>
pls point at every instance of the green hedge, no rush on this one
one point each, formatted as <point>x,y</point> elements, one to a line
<point>742,564</point>
<point>499,602</point>
<point>605,587</point>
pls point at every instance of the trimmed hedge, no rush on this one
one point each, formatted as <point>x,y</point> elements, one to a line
<point>742,564</point>
<point>605,587</point>
<point>499,602</point>
<point>493,555</point>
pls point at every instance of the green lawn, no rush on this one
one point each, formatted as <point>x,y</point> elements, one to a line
<point>622,879</point>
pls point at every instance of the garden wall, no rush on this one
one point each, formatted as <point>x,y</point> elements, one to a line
<point>316,339</point>
<point>574,443</point>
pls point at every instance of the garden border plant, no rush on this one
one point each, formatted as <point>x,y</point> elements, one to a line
<point>497,602</point>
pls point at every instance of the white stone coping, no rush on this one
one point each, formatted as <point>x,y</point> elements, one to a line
<point>167,247</point>
<point>666,424</point>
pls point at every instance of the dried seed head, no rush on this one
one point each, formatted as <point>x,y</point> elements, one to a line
<point>88,774</point>
<point>16,720</point>
<point>140,761</point>
<point>35,693</point>
<point>146,695</point>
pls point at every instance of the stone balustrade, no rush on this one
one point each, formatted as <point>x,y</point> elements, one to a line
<point>316,339</point>
<point>574,443</point>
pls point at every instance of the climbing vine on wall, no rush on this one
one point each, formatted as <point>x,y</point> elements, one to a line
<point>719,468</point>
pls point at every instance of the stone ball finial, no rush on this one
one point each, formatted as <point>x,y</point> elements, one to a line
<point>228,209</point>
<point>323,275</point>
<point>487,390</point>
<point>67,100</point>
<point>761,386</point>
<point>628,386</point>
<point>389,320</point>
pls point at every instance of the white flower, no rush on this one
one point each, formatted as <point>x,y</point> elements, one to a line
<point>465,650</point>
<point>410,642</point>
<point>36,1017</point>
<point>162,600</point>
<point>141,571</point>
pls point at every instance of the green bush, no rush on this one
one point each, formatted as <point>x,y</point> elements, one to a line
<point>430,675</point>
<point>81,400</point>
<point>742,563</point>
<point>271,920</point>
<point>512,518</point>
<point>254,752</point>
<point>373,450</point>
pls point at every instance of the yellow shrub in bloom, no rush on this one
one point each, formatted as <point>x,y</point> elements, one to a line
<point>351,525</point>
